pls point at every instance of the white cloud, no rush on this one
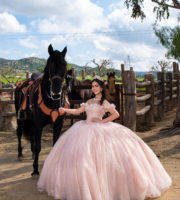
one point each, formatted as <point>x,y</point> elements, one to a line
<point>26,55</point>
<point>68,59</point>
<point>28,42</point>
<point>9,24</point>
<point>60,16</point>
<point>142,55</point>
<point>89,18</point>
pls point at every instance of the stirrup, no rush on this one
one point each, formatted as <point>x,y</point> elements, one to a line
<point>21,115</point>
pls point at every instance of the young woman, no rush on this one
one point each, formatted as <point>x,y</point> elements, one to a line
<point>97,159</point>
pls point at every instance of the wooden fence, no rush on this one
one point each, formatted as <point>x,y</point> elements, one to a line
<point>157,97</point>
<point>7,109</point>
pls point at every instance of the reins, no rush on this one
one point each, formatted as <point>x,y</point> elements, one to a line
<point>54,113</point>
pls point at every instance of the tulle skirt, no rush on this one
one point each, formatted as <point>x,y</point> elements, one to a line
<point>102,161</point>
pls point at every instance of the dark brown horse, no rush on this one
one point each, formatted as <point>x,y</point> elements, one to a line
<point>46,100</point>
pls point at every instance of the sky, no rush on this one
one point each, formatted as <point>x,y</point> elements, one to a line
<point>91,29</point>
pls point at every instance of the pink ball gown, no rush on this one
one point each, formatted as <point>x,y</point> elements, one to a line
<point>102,161</point>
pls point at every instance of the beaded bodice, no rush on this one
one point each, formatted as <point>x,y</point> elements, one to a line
<point>95,110</point>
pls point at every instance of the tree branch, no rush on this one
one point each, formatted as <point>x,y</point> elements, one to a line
<point>176,4</point>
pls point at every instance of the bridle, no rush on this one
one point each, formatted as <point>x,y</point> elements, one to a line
<point>51,78</point>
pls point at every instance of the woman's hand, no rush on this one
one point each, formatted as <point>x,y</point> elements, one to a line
<point>96,120</point>
<point>62,110</point>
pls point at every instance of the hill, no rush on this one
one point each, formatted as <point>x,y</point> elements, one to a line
<point>31,64</point>
<point>34,64</point>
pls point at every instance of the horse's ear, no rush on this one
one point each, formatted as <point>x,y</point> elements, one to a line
<point>64,51</point>
<point>69,72</point>
<point>50,50</point>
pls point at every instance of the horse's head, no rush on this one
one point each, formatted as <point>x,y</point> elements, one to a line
<point>55,71</point>
<point>69,80</point>
<point>111,82</point>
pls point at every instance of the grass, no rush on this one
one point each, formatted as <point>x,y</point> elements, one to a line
<point>11,80</point>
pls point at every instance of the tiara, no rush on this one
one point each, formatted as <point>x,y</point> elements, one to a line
<point>98,77</point>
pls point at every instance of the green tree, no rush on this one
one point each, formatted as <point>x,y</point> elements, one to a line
<point>170,39</point>
<point>161,8</point>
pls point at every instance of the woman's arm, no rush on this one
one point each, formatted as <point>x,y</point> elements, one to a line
<point>72,111</point>
<point>114,115</point>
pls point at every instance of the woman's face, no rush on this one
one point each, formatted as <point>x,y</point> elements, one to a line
<point>96,88</point>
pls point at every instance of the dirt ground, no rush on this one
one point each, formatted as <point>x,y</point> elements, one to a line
<point>16,182</point>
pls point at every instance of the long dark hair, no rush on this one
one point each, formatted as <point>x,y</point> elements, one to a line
<point>101,83</point>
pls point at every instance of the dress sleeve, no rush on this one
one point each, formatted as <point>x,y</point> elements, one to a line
<point>108,106</point>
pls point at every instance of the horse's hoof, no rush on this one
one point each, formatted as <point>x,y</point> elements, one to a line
<point>20,157</point>
<point>34,174</point>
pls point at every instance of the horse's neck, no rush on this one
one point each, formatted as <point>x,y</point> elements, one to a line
<point>45,86</point>
<point>45,90</point>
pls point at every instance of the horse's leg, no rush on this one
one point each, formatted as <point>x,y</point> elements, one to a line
<point>32,140</point>
<point>19,135</point>
<point>37,149</point>
<point>57,129</point>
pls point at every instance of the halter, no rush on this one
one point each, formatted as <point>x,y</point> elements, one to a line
<point>54,113</point>
<point>51,82</point>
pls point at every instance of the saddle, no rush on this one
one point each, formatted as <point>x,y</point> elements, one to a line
<point>27,88</point>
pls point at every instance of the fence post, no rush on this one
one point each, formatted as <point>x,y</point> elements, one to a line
<point>27,75</point>
<point>1,118</point>
<point>160,109</point>
<point>73,72</point>
<point>83,74</point>
<point>122,71</point>
<point>130,102</point>
<point>0,84</point>
<point>170,92</point>
<point>178,83</point>
<point>149,117</point>
<point>176,77</point>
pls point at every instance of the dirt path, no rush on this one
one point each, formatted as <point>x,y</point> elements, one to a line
<point>17,184</point>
